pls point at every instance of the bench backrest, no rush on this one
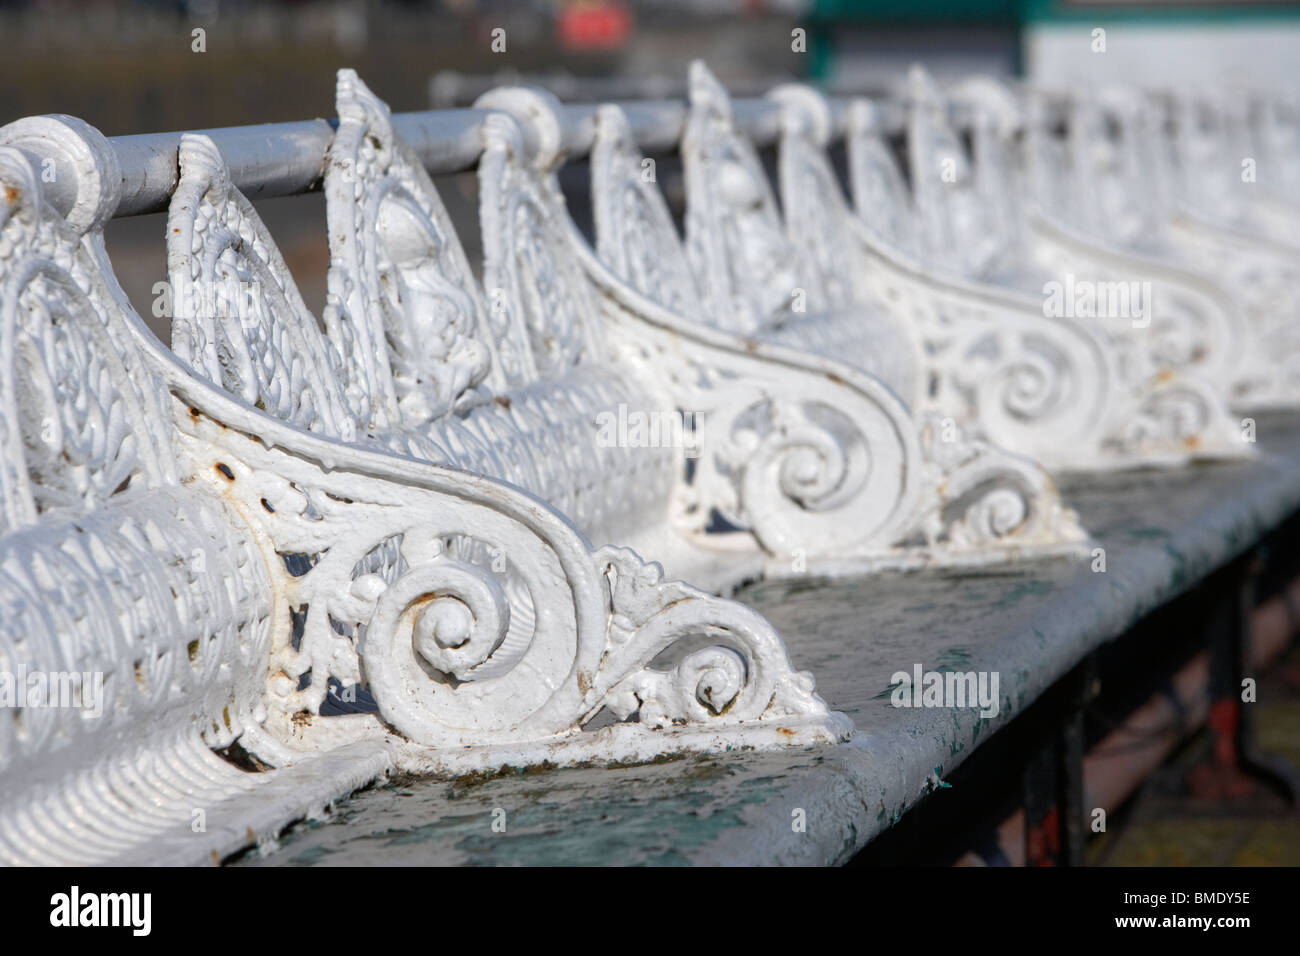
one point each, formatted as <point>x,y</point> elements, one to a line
<point>880,193</point>
<point>417,357</point>
<point>1048,178</point>
<point>635,234</point>
<point>1106,169</point>
<point>745,250</point>
<point>822,232</point>
<point>744,263</point>
<point>732,223</point>
<point>959,228</point>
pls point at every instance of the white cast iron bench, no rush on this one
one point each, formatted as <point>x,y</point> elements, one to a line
<point>301,554</point>
<point>1056,389</point>
<point>1177,336</point>
<point>1084,218</point>
<point>248,565</point>
<point>1048,386</point>
<point>1164,530</point>
<point>1165,178</point>
<point>803,461</point>
<point>959,501</point>
<point>1235,142</point>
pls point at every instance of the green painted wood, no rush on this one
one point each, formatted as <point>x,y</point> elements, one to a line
<point>1162,531</point>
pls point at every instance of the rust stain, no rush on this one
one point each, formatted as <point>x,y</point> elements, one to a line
<point>584,682</point>
<point>11,193</point>
<point>503,401</point>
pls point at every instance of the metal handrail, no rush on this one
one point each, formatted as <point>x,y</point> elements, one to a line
<point>284,159</point>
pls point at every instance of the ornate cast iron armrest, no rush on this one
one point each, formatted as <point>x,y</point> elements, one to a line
<point>822,462</point>
<point>1072,397</point>
<point>475,614</point>
<point>1200,327</point>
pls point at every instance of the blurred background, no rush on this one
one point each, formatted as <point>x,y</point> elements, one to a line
<point>137,66</point>
<point>129,66</point>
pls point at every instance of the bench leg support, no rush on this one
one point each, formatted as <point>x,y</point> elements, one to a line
<point>1053,783</point>
<point>1234,767</point>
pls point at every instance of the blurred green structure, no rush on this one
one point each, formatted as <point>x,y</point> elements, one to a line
<point>831,21</point>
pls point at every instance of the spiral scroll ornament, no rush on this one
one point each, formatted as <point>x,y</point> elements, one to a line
<point>809,471</point>
<point>685,657</point>
<point>432,629</point>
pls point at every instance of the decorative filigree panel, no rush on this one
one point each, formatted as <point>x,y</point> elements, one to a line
<point>735,242</point>
<point>635,235</point>
<point>403,302</point>
<point>524,274</point>
<point>238,319</point>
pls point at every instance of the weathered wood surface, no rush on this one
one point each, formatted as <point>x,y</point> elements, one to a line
<point>1162,532</point>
